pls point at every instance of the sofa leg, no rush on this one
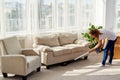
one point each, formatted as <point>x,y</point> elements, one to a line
<point>38,69</point>
<point>48,67</point>
<point>24,77</point>
<point>5,75</point>
<point>85,57</point>
<point>64,63</point>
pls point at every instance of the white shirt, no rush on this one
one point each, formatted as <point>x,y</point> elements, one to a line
<point>107,34</point>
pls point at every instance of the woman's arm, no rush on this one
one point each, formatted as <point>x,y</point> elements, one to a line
<point>97,46</point>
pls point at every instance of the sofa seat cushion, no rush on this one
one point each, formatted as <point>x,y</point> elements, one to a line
<point>75,47</point>
<point>58,51</point>
<point>32,61</point>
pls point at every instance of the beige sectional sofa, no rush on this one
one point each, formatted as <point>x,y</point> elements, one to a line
<point>59,47</point>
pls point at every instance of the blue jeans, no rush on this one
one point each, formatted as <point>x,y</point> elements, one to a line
<point>109,46</point>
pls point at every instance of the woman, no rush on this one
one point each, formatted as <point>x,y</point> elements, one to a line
<point>100,36</point>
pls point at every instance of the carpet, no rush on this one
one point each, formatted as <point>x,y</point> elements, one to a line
<point>77,70</point>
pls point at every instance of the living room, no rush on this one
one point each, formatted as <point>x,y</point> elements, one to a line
<point>49,34</point>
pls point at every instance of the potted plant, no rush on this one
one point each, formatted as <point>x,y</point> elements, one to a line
<point>89,38</point>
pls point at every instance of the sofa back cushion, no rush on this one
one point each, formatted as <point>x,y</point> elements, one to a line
<point>67,38</point>
<point>48,40</point>
<point>12,45</point>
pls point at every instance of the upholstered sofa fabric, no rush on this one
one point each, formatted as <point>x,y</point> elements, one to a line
<point>44,48</point>
<point>48,40</point>
<point>67,38</point>
<point>60,47</point>
<point>18,61</point>
<point>10,47</point>
<point>75,47</point>
<point>60,50</point>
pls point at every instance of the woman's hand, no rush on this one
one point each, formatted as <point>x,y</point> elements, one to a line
<point>96,47</point>
<point>90,50</point>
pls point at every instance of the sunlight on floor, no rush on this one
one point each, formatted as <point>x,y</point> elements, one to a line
<point>95,69</point>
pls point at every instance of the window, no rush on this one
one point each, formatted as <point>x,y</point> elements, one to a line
<point>117,28</point>
<point>60,10</point>
<point>18,17</point>
<point>87,15</point>
<point>65,14</point>
<point>29,16</point>
<point>15,16</point>
<point>0,27</point>
<point>71,12</point>
<point>45,14</point>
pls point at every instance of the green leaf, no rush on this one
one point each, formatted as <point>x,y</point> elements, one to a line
<point>99,27</point>
<point>88,37</point>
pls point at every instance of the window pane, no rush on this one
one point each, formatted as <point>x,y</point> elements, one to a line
<point>63,14</point>
<point>71,6</point>
<point>45,11</point>
<point>117,28</point>
<point>71,19</point>
<point>60,13</point>
<point>87,12</point>
<point>14,13</point>
<point>118,25</point>
<point>71,12</point>
<point>0,28</point>
<point>0,23</point>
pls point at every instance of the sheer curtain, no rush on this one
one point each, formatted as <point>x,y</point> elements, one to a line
<point>13,16</point>
<point>26,17</point>
<point>66,15</point>
<point>113,15</point>
<point>117,16</point>
<point>20,17</point>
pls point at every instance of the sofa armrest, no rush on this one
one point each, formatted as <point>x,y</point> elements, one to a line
<point>14,64</point>
<point>82,42</point>
<point>44,48</point>
<point>30,52</point>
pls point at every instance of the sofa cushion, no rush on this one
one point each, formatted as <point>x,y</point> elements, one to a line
<point>44,48</point>
<point>32,61</point>
<point>67,38</point>
<point>58,51</point>
<point>75,47</point>
<point>12,48</point>
<point>48,40</point>
<point>82,42</point>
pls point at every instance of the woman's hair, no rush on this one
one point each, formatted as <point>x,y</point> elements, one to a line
<point>95,32</point>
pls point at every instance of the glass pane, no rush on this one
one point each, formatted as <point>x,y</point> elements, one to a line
<point>71,12</point>
<point>117,14</point>
<point>87,12</point>
<point>45,11</point>
<point>71,6</point>
<point>60,13</point>
<point>0,23</point>
<point>71,19</point>
<point>0,28</point>
<point>118,25</point>
<point>60,7</point>
<point>60,21</point>
<point>118,2</point>
<point>14,11</point>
